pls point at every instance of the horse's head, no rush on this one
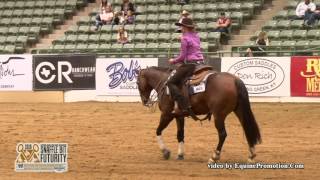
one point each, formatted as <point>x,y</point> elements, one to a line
<point>144,87</point>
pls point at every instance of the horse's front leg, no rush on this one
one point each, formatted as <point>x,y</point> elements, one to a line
<point>165,119</point>
<point>180,137</point>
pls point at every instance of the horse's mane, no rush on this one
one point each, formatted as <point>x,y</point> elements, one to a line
<point>162,69</point>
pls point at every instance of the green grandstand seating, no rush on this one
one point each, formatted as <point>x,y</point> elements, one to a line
<point>152,47</point>
<point>11,39</point>
<point>287,46</point>
<point>291,5</point>
<point>26,21</point>
<point>140,28</point>
<point>93,48</point>
<point>286,34</point>
<point>141,19</point>
<point>283,24</point>
<point>106,29</point>
<point>156,17</point>
<point>13,30</point>
<point>130,28</point>
<point>199,17</point>
<point>272,24</point>
<point>313,34</point>
<point>10,49</point>
<point>281,15</point>
<point>140,37</point>
<point>128,47</point>
<point>71,39</point>
<point>30,4</point>
<point>140,47</point>
<point>164,27</point>
<point>199,7</point>
<point>152,28</point>
<point>3,30</point>
<point>85,29</point>
<point>299,34</point>
<point>273,48</point>
<point>296,24</point>
<point>175,37</point>
<point>152,18</point>
<point>273,34</point>
<point>82,38</point>
<point>163,18</point>
<point>175,8</point>
<point>164,37</point>
<point>105,38</point>
<point>152,37</point>
<point>302,45</point>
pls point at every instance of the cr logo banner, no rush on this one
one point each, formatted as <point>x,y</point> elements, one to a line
<point>64,72</point>
<point>41,70</point>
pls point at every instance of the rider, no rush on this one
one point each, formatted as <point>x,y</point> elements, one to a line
<point>190,56</point>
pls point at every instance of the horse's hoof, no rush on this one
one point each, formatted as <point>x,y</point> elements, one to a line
<point>166,154</point>
<point>250,160</point>
<point>180,157</point>
<point>211,160</point>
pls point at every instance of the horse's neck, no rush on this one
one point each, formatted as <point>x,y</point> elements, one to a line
<point>156,79</point>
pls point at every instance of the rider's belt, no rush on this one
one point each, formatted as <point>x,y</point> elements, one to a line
<point>198,61</point>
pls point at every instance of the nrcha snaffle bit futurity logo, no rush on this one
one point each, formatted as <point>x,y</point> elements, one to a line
<point>41,157</point>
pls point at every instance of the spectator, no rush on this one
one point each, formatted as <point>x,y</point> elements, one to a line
<point>129,19</point>
<point>223,23</point>
<point>261,42</point>
<point>118,18</point>
<point>126,6</point>
<point>122,36</point>
<point>314,16</point>
<point>305,9</point>
<point>105,17</point>
<point>183,15</point>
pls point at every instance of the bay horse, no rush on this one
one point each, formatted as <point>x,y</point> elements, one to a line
<point>225,93</point>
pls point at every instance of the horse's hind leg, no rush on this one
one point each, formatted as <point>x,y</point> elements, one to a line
<point>164,122</point>
<point>222,133</point>
<point>180,137</point>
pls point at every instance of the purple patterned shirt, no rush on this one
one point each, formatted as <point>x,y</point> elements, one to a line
<point>190,48</point>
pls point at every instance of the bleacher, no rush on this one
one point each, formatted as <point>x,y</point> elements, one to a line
<point>287,35</point>
<point>24,22</point>
<point>154,29</point>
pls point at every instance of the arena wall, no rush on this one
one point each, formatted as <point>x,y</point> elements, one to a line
<point>34,79</point>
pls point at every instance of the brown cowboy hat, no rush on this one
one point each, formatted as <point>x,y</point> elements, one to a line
<point>186,22</point>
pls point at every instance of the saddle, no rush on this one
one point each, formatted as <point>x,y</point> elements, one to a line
<point>199,74</point>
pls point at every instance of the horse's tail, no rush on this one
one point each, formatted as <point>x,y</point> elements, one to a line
<point>245,115</point>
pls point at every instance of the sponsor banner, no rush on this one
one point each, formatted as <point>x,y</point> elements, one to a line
<point>305,76</point>
<point>263,76</point>
<point>64,72</point>
<point>15,72</point>
<point>41,157</point>
<point>117,76</point>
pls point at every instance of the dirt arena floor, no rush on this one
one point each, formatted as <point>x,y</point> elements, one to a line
<point>117,141</point>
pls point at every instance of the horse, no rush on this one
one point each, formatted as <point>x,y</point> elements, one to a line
<point>224,93</point>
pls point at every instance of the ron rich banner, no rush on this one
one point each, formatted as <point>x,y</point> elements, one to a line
<point>305,76</point>
<point>64,72</point>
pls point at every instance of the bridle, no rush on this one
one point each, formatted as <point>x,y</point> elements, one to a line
<point>153,98</point>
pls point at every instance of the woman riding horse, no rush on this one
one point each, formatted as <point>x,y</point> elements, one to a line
<point>190,56</point>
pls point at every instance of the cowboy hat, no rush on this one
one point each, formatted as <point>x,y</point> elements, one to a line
<point>186,22</point>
